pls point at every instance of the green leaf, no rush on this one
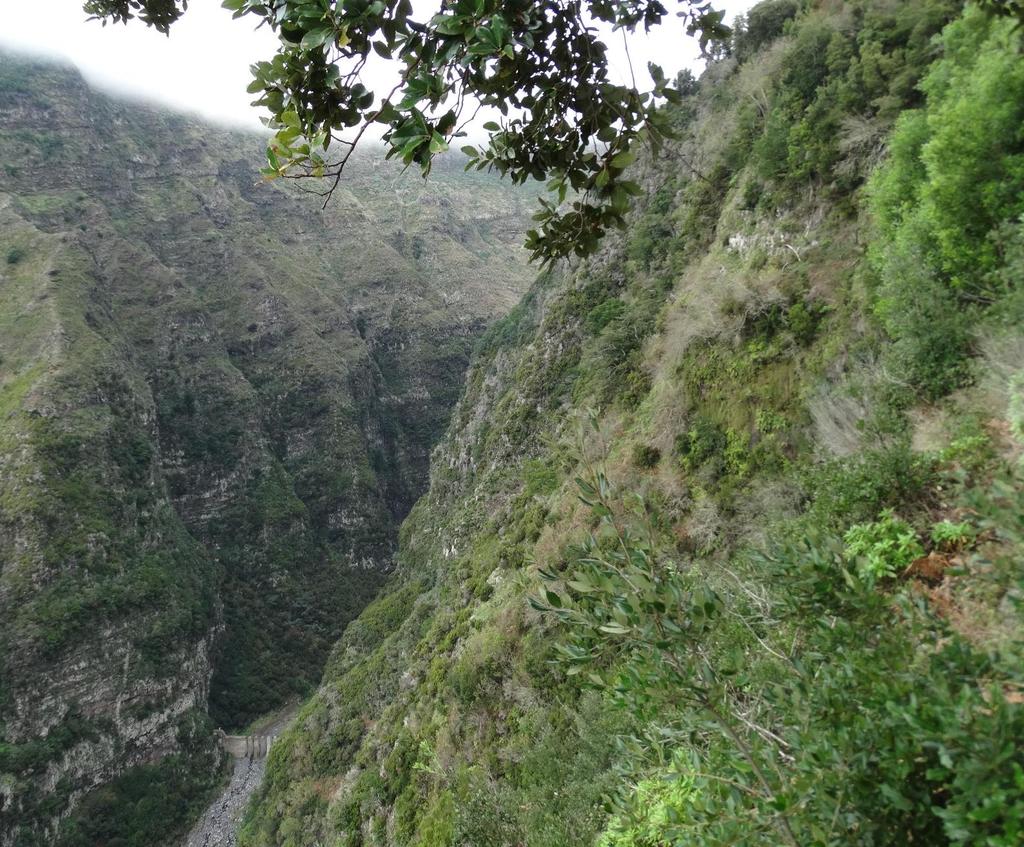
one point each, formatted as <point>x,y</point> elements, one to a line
<point>387,114</point>
<point>449,24</point>
<point>316,37</point>
<point>623,159</point>
<point>437,143</point>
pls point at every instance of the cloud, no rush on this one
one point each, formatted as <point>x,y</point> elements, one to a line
<point>203,66</point>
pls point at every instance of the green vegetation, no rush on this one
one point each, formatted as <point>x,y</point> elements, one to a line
<point>645,456</point>
<point>211,427</point>
<point>611,370</point>
<point>769,753</point>
<point>882,548</point>
<point>950,535</point>
<point>148,804</point>
<point>154,803</point>
<point>949,203</point>
<point>654,805</point>
<point>32,757</point>
<point>723,544</point>
<point>765,22</point>
<point>757,616</point>
<point>540,478</point>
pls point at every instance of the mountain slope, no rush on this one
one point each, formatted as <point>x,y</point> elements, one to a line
<point>216,406</point>
<point>768,592</point>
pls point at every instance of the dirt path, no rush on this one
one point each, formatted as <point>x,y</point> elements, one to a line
<point>218,827</point>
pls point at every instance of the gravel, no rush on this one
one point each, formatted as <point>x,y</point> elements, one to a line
<point>219,824</point>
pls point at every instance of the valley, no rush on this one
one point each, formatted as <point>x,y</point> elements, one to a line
<point>709,532</point>
<point>217,406</point>
<point>219,824</point>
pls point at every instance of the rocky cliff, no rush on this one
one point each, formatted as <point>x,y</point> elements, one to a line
<point>216,406</point>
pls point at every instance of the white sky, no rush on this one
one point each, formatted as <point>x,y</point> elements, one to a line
<point>203,66</point>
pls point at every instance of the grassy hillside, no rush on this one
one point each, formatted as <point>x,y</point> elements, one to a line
<point>723,543</point>
<point>216,406</point>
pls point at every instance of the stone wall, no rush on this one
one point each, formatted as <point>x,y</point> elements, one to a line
<point>246,746</point>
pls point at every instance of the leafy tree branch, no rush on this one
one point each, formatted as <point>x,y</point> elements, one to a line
<point>542,66</point>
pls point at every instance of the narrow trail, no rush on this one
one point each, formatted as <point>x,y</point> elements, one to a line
<point>218,827</point>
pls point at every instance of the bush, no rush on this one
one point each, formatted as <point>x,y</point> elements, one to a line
<point>883,547</point>
<point>737,452</point>
<point>769,421</point>
<point>35,756</point>
<point>953,183</point>
<point>601,315</point>
<point>752,193</point>
<point>15,255</point>
<point>931,334</point>
<point>802,320</point>
<point>951,536</point>
<point>150,805</point>
<point>883,742</point>
<point>652,808</point>
<point>645,456</point>
<point>763,23</point>
<point>703,440</point>
<point>856,489</point>
<point>540,478</point>
<point>612,368</point>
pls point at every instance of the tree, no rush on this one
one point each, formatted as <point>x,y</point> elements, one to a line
<point>764,23</point>
<point>1005,9</point>
<point>541,64</point>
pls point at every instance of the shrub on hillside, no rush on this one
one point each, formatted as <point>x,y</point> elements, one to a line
<point>882,548</point>
<point>942,203</point>
<point>762,23</point>
<point>703,440</point>
<point>645,456</point>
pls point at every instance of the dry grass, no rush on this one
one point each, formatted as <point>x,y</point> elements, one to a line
<point>861,144</point>
<point>973,618</point>
<point>763,502</point>
<point>998,396</point>
<point>838,408</point>
<point>703,527</point>
<point>1002,384</point>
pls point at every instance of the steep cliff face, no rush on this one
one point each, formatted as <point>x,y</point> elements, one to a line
<point>722,404</point>
<point>216,406</point>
